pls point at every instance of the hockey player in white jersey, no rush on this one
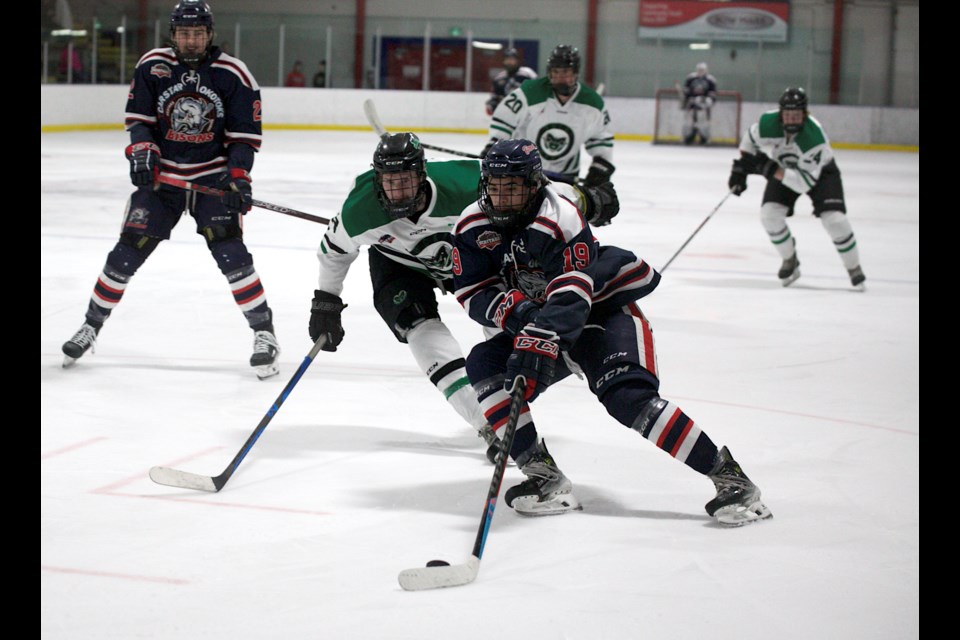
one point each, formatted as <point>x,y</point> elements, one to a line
<point>404,210</point>
<point>791,150</point>
<point>561,115</point>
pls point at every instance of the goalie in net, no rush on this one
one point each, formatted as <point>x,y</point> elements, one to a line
<point>715,122</point>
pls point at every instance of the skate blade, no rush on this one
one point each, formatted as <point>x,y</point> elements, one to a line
<point>532,508</point>
<point>789,280</point>
<point>738,515</point>
<point>265,371</point>
<point>69,361</point>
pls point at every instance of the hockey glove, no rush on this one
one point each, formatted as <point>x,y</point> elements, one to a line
<point>599,172</point>
<point>144,160</point>
<point>602,203</point>
<point>512,311</point>
<point>237,193</point>
<point>325,319</point>
<point>534,358</point>
<point>738,178</point>
<point>759,164</point>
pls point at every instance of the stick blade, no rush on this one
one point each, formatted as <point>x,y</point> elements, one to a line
<point>182,479</point>
<point>455,575</point>
<point>370,110</point>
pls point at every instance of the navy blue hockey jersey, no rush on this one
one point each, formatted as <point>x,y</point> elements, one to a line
<point>204,120</point>
<point>554,261</point>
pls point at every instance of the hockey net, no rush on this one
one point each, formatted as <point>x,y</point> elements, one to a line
<point>724,118</point>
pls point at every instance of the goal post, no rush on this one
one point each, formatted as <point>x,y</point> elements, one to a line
<point>670,117</point>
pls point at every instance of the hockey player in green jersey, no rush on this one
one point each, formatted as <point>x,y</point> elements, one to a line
<point>405,210</point>
<point>560,115</point>
<point>791,150</point>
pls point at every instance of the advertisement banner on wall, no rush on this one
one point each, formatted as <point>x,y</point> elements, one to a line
<point>711,20</point>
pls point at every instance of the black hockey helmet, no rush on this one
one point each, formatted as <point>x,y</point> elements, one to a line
<point>793,99</point>
<point>191,13</point>
<point>512,159</point>
<point>399,152</point>
<point>564,56</point>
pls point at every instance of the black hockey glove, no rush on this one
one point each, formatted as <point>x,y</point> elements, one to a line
<point>325,319</point>
<point>237,193</point>
<point>512,311</point>
<point>602,203</point>
<point>599,172</point>
<point>144,160</point>
<point>534,357</point>
<point>759,164</point>
<point>490,143</point>
<point>738,178</point>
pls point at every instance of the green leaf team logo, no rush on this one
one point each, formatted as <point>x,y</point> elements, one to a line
<point>555,140</point>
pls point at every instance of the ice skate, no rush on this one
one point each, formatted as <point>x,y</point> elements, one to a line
<point>738,500</point>
<point>789,270</point>
<point>266,349</point>
<point>82,341</point>
<point>546,491</point>
<point>857,278</point>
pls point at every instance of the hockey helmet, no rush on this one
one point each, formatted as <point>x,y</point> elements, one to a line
<point>793,99</point>
<point>191,13</point>
<point>399,153</point>
<point>512,204</point>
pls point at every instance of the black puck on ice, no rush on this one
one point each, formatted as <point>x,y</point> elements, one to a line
<point>438,563</point>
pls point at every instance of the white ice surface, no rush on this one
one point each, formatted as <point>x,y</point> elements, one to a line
<point>366,471</point>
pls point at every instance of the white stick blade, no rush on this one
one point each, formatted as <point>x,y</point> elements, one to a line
<point>182,479</point>
<point>455,575</point>
<point>371,112</point>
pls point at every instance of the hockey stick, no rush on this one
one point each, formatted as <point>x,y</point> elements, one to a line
<point>187,480</point>
<point>439,573</point>
<point>695,231</point>
<point>210,191</point>
<point>374,119</point>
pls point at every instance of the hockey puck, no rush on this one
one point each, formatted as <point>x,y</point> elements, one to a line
<point>438,563</point>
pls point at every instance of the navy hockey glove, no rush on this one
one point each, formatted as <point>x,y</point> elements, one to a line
<point>325,319</point>
<point>602,203</point>
<point>738,178</point>
<point>237,193</point>
<point>512,311</point>
<point>599,172</point>
<point>759,164</point>
<point>534,358</point>
<point>144,160</point>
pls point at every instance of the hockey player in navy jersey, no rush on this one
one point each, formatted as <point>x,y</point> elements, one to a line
<point>404,209</point>
<point>193,113</point>
<point>526,263</point>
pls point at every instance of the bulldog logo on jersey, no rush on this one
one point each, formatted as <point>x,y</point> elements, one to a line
<point>191,119</point>
<point>555,140</point>
<point>533,284</point>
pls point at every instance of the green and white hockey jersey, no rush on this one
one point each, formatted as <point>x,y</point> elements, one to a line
<point>533,113</point>
<point>424,245</point>
<point>802,156</point>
